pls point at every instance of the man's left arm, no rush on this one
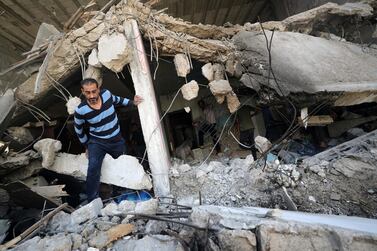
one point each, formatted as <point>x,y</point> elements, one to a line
<point>125,101</point>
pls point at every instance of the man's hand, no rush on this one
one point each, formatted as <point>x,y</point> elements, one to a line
<point>138,100</point>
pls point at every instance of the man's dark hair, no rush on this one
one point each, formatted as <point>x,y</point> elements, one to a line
<point>88,81</point>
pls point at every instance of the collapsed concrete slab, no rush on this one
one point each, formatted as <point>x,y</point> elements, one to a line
<point>309,64</point>
<point>128,172</point>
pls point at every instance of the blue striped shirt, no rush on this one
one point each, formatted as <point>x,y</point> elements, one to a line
<point>103,123</point>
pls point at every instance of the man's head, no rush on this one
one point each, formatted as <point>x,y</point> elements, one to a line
<point>90,89</point>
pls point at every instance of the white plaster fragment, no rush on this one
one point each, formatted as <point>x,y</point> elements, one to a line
<point>207,71</point>
<point>48,149</point>
<point>114,51</point>
<point>72,104</point>
<point>190,90</point>
<point>182,65</point>
<point>93,59</point>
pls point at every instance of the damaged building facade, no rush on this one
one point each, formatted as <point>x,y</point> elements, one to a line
<point>258,129</point>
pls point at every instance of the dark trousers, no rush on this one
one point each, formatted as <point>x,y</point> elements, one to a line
<point>211,129</point>
<point>97,150</point>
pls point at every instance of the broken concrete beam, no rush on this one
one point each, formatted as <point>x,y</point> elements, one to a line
<point>129,173</point>
<point>208,72</point>
<point>220,87</point>
<point>94,72</point>
<point>114,52</point>
<point>287,235</point>
<point>48,149</point>
<point>20,174</point>
<point>190,90</point>
<point>182,65</point>
<point>233,102</point>
<point>13,162</point>
<point>93,59</point>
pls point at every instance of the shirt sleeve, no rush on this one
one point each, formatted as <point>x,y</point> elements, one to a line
<point>121,101</point>
<point>79,122</point>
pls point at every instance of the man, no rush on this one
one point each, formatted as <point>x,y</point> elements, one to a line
<point>208,125</point>
<point>97,110</point>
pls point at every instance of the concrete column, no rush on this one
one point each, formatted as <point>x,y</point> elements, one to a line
<point>158,154</point>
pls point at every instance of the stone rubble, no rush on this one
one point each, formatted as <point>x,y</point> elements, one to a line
<point>190,90</point>
<point>182,65</point>
<point>48,148</point>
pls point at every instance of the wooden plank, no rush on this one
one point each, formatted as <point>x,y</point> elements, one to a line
<point>318,120</point>
<point>50,191</point>
<point>158,153</point>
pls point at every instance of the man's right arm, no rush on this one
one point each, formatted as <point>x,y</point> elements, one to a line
<point>79,122</point>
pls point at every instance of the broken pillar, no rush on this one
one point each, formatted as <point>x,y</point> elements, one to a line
<point>158,153</point>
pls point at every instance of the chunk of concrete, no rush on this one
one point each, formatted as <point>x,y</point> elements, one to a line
<point>262,144</point>
<point>102,239</point>
<point>249,81</point>
<point>94,72</point>
<point>190,90</point>
<point>220,87</point>
<point>233,102</point>
<point>234,68</point>
<point>208,72</point>
<point>182,65</point>
<point>45,31</point>
<point>237,240</point>
<point>72,104</point>
<point>146,207</point>
<point>48,149</point>
<point>93,59</point>
<point>126,206</point>
<point>110,209</point>
<point>151,242</point>
<point>129,173</point>
<point>114,52</point>
<point>87,212</point>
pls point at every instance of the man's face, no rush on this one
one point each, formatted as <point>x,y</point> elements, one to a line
<point>91,93</point>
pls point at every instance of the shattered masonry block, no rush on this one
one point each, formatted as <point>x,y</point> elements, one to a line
<point>220,87</point>
<point>190,90</point>
<point>114,51</point>
<point>48,149</point>
<point>93,59</point>
<point>233,102</point>
<point>72,104</point>
<point>182,65</point>
<point>207,71</point>
<point>87,212</point>
<point>237,240</point>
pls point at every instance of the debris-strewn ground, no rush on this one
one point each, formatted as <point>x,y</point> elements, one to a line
<point>345,186</point>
